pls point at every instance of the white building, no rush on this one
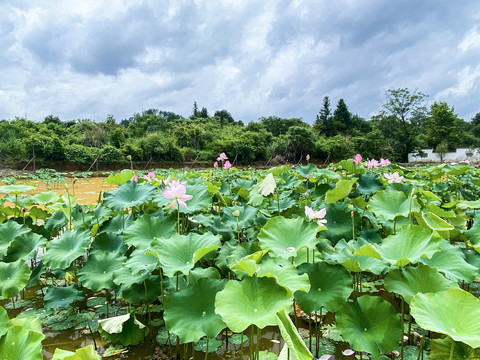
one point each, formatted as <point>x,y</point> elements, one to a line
<point>472,155</point>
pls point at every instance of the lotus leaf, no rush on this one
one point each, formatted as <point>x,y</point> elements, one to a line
<point>246,216</point>
<point>108,242</point>
<point>13,278</point>
<point>444,312</point>
<point>84,353</point>
<point>331,285</point>
<point>368,184</point>
<point>128,195</point>
<point>474,233</point>
<point>62,251</point>
<point>24,247</point>
<point>3,321</point>
<point>120,178</point>
<point>139,291</point>
<point>116,224</point>
<point>339,222</point>
<point>62,297</point>
<point>181,252</point>
<point>286,236</point>
<point>249,263</point>
<point>20,343</point>
<point>200,201</point>
<point>391,204</point>
<point>441,348</point>
<point>190,313</point>
<point>409,245</point>
<point>213,345</point>
<point>125,329</point>
<point>97,273</point>
<point>267,185</point>
<point>15,189</point>
<point>369,324</point>
<point>44,198</point>
<point>8,232</point>
<point>342,189</point>
<point>286,275</point>
<point>143,230</point>
<point>292,337</point>
<point>451,261</point>
<point>251,301</point>
<point>409,281</point>
<point>305,170</point>
<point>125,277</point>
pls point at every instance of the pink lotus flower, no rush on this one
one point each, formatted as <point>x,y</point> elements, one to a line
<point>372,164</point>
<point>150,176</point>
<point>215,164</point>
<point>134,178</point>
<point>227,165</point>
<point>384,162</point>
<point>393,177</point>
<point>357,159</point>
<point>308,157</point>
<point>466,161</point>
<point>177,193</point>
<point>222,157</point>
<point>316,215</point>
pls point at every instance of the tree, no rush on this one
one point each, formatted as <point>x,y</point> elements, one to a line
<point>203,113</point>
<point>323,116</point>
<point>224,116</point>
<point>476,125</point>
<point>195,109</point>
<point>442,126</point>
<point>405,107</point>
<point>342,118</point>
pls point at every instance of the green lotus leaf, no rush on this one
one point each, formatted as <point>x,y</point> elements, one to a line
<point>370,324</point>
<point>190,313</point>
<point>436,223</point>
<point>62,297</point>
<point>108,242</point>
<point>292,337</point>
<point>20,343</point>
<point>15,189</point>
<point>252,301</point>
<point>286,236</point>
<point>267,355</point>
<point>55,222</point>
<point>441,348</point>
<point>120,178</point>
<point>98,271</point>
<point>213,345</point>
<point>331,285</point>
<point>344,255</point>
<point>126,277</point>
<point>305,170</point>
<point>128,195</point>
<point>249,263</point>
<point>444,312</point>
<point>125,329</point>
<point>342,189</point>
<point>181,252</point>
<point>143,230</point>
<point>200,200</point>
<point>254,197</point>
<point>451,261</point>
<point>474,233</point>
<point>69,246</point>
<point>267,185</point>
<point>146,290</point>
<point>84,353</point>
<point>31,323</point>
<point>339,222</point>
<point>116,224</point>
<point>24,247</point>
<point>141,262</point>
<point>285,202</point>
<point>44,198</point>
<point>246,217</point>
<point>9,231</point>
<point>13,278</point>
<point>3,321</point>
<point>286,275</point>
<point>409,281</point>
<point>368,184</point>
<point>409,245</point>
<point>464,204</point>
<point>391,204</point>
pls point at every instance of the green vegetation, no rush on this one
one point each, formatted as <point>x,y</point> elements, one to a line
<point>404,125</point>
<point>196,260</point>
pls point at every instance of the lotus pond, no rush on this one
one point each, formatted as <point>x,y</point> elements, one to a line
<point>291,262</point>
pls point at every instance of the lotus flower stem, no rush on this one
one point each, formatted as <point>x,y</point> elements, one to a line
<point>259,335</point>
<point>93,337</point>
<point>420,351</point>
<point>452,349</point>
<point>206,349</point>
<point>241,347</point>
<point>402,321</point>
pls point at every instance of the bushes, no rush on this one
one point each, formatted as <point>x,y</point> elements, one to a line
<point>80,154</point>
<point>110,155</point>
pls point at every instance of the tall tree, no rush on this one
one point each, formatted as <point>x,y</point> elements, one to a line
<point>406,107</point>
<point>323,116</point>
<point>442,126</point>
<point>343,117</point>
<point>195,109</point>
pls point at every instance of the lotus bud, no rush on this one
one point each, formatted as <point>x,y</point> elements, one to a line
<point>236,213</point>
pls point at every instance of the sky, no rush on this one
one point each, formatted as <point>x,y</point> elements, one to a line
<point>87,59</point>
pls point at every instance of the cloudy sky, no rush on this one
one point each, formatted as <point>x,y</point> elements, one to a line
<point>86,59</point>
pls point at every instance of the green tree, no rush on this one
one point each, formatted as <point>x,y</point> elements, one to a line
<point>442,126</point>
<point>342,118</point>
<point>224,116</point>
<point>323,116</point>
<point>406,108</point>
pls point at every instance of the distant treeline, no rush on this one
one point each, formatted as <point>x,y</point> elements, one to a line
<point>405,124</point>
